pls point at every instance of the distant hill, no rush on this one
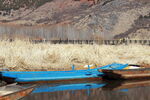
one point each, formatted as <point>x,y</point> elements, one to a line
<point>7,5</point>
<point>77,19</point>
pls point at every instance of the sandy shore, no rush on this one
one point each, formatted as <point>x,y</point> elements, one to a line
<point>19,55</point>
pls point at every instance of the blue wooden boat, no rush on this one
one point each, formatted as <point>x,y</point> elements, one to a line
<point>39,76</point>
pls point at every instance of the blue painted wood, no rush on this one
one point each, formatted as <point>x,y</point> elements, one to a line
<point>32,76</point>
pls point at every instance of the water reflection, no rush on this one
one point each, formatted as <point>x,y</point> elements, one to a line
<point>97,90</point>
<point>126,84</point>
<point>71,86</point>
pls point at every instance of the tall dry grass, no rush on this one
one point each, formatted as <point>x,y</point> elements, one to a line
<point>19,55</point>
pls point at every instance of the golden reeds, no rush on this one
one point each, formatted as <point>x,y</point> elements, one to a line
<point>19,55</point>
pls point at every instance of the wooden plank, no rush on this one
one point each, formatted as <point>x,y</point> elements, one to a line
<point>127,74</point>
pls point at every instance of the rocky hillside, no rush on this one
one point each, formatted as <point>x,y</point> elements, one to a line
<point>93,19</point>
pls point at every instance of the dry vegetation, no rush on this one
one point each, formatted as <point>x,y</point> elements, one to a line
<point>19,55</point>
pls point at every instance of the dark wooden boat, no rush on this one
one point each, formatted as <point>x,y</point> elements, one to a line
<point>14,92</point>
<point>141,73</point>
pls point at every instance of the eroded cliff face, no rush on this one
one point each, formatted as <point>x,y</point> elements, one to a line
<point>73,19</point>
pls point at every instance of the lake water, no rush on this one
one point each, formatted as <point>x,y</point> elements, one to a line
<point>93,90</point>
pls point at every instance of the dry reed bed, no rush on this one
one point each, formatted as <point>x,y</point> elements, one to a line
<point>19,55</point>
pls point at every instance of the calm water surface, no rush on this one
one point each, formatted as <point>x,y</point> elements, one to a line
<point>94,90</point>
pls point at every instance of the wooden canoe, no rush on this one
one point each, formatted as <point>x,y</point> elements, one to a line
<point>142,73</point>
<point>14,92</point>
<point>38,76</point>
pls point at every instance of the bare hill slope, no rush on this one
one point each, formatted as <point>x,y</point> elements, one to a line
<point>96,18</point>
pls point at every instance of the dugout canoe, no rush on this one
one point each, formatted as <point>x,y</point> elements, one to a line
<point>127,74</point>
<point>14,92</point>
<point>40,76</point>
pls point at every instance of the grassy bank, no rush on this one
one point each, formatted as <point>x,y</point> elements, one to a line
<point>21,55</point>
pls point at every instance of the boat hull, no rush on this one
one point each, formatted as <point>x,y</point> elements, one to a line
<point>130,74</point>
<point>42,76</point>
<point>18,94</point>
<point>50,80</point>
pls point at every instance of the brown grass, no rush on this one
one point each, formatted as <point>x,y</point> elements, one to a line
<point>19,55</point>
